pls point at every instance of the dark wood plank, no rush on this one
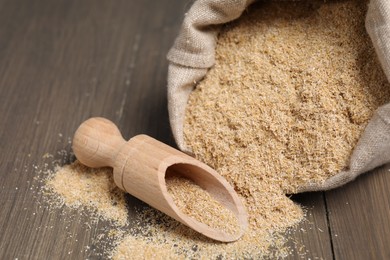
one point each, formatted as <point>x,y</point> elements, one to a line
<point>311,238</point>
<point>62,62</point>
<point>359,215</point>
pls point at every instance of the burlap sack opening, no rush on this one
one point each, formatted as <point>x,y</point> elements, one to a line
<point>193,53</point>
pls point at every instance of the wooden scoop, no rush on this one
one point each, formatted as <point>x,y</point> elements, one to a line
<point>140,165</point>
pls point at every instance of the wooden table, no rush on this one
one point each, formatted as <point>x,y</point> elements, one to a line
<point>64,61</point>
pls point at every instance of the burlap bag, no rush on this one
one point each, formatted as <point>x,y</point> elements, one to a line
<point>193,53</point>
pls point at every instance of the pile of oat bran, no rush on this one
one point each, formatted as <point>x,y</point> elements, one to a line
<point>78,186</point>
<point>292,89</point>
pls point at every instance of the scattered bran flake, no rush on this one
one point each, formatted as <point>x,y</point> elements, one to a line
<point>150,231</point>
<point>293,87</point>
<point>197,203</point>
<point>78,186</point>
<point>158,230</point>
<point>135,248</point>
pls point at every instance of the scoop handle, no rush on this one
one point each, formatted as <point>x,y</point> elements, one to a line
<point>96,142</point>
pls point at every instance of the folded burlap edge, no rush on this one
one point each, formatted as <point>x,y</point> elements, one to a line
<point>193,54</point>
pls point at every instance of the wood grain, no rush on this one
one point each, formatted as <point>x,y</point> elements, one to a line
<point>64,61</point>
<point>359,215</point>
<point>311,238</point>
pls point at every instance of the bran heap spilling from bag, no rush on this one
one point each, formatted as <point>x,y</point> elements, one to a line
<point>293,88</point>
